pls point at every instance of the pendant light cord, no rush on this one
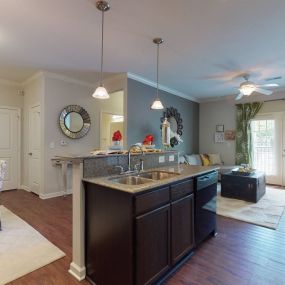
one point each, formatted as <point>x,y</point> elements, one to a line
<point>157,64</point>
<point>102,50</point>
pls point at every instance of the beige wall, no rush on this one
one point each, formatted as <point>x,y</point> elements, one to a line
<point>58,94</point>
<point>9,95</point>
<point>223,112</point>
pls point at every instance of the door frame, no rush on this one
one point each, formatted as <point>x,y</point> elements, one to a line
<point>19,143</point>
<point>111,113</point>
<point>41,147</point>
<point>279,117</point>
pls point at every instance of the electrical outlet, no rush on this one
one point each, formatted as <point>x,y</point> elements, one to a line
<point>161,159</point>
<point>171,158</point>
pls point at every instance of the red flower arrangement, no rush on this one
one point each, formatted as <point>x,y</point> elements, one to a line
<point>117,136</point>
<point>148,140</point>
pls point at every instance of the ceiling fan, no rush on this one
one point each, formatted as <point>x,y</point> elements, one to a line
<point>247,87</point>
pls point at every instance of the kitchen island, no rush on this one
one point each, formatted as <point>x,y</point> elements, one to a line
<point>140,228</point>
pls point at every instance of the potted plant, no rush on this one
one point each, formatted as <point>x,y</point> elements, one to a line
<point>117,137</point>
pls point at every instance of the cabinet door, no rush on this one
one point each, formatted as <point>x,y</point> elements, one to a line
<point>152,245</point>
<point>182,227</point>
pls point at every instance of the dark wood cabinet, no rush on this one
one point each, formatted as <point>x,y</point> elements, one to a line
<point>182,227</point>
<point>137,238</point>
<point>152,245</point>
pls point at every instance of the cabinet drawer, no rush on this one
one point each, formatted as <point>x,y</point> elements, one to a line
<point>151,200</point>
<point>182,189</point>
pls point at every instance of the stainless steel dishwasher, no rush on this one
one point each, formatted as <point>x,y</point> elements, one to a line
<point>205,205</point>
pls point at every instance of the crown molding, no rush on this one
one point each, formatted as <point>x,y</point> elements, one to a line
<point>9,82</point>
<point>161,87</point>
<point>65,78</point>
<point>37,75</point>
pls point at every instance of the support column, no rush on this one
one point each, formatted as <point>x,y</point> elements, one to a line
<point>77,266</point>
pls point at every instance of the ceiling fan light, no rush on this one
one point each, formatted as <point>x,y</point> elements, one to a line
<point>157,105</point>
<point>101,93</point>
<point>247,89</point>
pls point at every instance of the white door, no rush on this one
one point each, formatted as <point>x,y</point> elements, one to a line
<point>267,146</point>
<point>9,146</point>
<point>283,149</point>
<point>34,149</point>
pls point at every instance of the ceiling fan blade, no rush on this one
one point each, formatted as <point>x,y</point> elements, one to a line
<point>263,91</point>
<point>273,78</point>
<point>239,96</point>
<point>269,85</point>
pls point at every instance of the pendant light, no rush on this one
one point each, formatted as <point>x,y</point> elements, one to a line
<point>101,92</point>
<point>157,105</point>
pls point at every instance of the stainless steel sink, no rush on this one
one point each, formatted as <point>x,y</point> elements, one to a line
<point>158,175</point>
<point>130,180</point>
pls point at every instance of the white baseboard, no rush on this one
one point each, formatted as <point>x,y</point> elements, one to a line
<point>76,271</point>
<point>55,194</point>
<point>25,188</point>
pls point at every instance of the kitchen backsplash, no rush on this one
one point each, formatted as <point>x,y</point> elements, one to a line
<point>105,165</point>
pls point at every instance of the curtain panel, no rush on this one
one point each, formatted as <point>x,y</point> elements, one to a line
<point>244,114</point>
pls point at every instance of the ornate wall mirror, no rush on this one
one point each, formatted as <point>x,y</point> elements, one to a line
<point>74,121</point>
<point>175,121</point>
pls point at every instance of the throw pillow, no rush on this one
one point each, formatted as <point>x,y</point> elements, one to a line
<point>215,159</point>
<point>198,159</point>
<point>182,159</point>
<point>191,159</point>
<point>205,159</point>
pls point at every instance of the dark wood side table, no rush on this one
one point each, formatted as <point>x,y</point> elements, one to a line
<point>249,188</point>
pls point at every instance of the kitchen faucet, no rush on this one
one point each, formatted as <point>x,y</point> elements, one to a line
<point>129,158</point>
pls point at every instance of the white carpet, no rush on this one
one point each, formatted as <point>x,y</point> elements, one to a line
<point>266,212</point>
<point>22,248</point>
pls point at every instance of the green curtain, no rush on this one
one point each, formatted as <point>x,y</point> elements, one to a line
<point>244,113</point>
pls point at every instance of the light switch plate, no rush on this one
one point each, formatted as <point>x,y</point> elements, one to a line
<point>161,159</point>
<point>171,158</point>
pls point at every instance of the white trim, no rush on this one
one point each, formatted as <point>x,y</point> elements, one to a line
<point>32,78</point>
<point>9,82</point>
<point>10,108</point>
<point>65,78</point>
<point>55,194</point>
<point>218,98</point>
<point>78,272</point>
<point>19,152</point>
<point>110,113</point>
<point>162,87</point>
<point>26,188</point>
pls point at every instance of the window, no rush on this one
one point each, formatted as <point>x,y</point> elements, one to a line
<point>263,145</point>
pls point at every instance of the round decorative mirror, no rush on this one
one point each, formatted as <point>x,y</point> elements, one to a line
<point>74,121</point>
<point>175,122</point>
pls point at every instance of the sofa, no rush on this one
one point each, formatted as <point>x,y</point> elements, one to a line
<point>207,160</point>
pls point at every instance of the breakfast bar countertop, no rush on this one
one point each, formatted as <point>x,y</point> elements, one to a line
<point>184,171</point>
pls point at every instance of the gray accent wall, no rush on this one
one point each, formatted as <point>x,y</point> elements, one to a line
<point>142,120</point>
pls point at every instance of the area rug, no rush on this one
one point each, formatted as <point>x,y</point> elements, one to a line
<point>266,212</point>
<point>22,248</point>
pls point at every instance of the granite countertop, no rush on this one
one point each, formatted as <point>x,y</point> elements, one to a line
<point>87,156</point>
<point>185,171</point>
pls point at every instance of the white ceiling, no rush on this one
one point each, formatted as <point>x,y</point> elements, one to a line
<point>207,42</point>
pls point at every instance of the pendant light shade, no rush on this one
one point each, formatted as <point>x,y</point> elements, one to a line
<point>101,92</point>
<point>157,105</point>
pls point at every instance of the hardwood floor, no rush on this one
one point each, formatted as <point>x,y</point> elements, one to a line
<point>53,219</point>
<point>241,254</point>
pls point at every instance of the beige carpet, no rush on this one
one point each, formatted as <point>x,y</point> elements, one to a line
<point>266,212</point>
<point>22,248</point>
